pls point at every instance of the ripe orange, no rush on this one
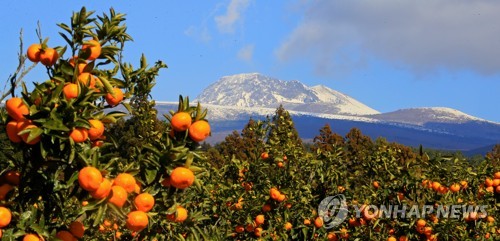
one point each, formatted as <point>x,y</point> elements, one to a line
<point>144,202</point>
<point>77,229</point>
<point>281,198</point>
<point>16,108</point>
<point>13,177</point>
<point>264,155</point>
<point>96,129</point>
<point>199,130</point>
<point>31,237</point>
<point>90,178</point>
<point>81,64</point>
<point>266,208</point>
<point>11,129</point>
<point>126,181</point>
<point>239,229</point>
<point>496,182</point>
<point>259,220</point>
<point>5,217</point>
<point>318,222</point>
<point>392,239</point>
<point>118,196</point>
<point>181,121</point>
<point>307,222</point>
<point>34,51</point>
<point>65,236</point>
<point>436,186</point>
<point>103,190</point>
<point>87,79</point>
<point>421,223</point>
<point>93,50</point>
<point>181,178</point>
<point>488,182</point>
<point>288,226</point>
<point>455,187</point>
<point>280,164</point>
<point>331,237</point>
<point>274,193</point>
<point>180,215</point>
<point>497,175</point>
<point>137,221</point>
<point>376,184</point>
<point>114,101</point>
<point>257,232</point>
<point>4,190</point>
<point>49,56</point>
<point>26,125</point>
<point>464,184</point>
<point>79,135</point>
<point>403,238</point>
<point>70,91</point>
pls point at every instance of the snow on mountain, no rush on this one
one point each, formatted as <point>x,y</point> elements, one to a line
<point>423,115</point>
<point>256,90</point>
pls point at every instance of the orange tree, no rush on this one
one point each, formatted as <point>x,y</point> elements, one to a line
<point>65,174</point>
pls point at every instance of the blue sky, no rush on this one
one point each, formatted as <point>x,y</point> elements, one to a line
<point>389,54</point>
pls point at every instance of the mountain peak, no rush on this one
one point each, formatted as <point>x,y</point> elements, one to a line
<point>257,90</point>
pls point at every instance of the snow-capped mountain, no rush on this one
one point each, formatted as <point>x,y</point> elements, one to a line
<point>423,115</point>
<point>256,90</point>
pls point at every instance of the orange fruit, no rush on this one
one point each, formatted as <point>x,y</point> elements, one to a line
<point>70,91</point>
<point>96,129</point>
<point>81,64</point>
<point>307,222</point>
<point>118,196</point>
<point>4,190</point>
<point>199,130</point>
<point>436,186</point>
<point>490,219</point>
<point>181,121</point>
<point>497,175</point>
<point>288,226</point>
<point>26,125</point>
<point>264,155</point>
<point>259,220</point>
<point>464,184</point>
<point>280,164</point>
<point>421,223</point>
<point>274,193</point>
<point>376,184</point>
<point>281,198</point>
<point>11,129</point>
<point>392,239</point>
<point>79,135</point>
<point>403,238</point>
<point>455,187</point>
<point>13,177</point>
<point>33,53</point>
<point>488,182</point>
<point>266,208</point>
<point>318,222</point>
<point>180,215</point>
<point>97,143</point>
<point>137,221</point>
<point>496,182</point>
<point>497,190</point>
<point>93,50</point>
<point>181,178</point>
<point>90,178</point>
<point>257,232</point>
<point>5,217</point>
<point>49,56</point>
<point>16,108</point>
<point>114,101</point>
<point>126,181</point>
<point>331,237</point>
<point>103,190</point>
<point>87,79</point>
<point>77,229</point>
<point>65,236</point>
<point>144,202</point>
<point>239,229</point>
<point>31,237</point>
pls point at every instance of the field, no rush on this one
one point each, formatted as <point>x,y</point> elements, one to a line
<point>72,168</point>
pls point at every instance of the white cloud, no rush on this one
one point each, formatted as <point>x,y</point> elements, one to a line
<point>246,53</point>
<point>202,34</point>
<point>422,35</point>
<point>225,23</point>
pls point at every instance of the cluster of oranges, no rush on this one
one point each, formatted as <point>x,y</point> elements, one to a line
<point>8,181</point>
<point>492,184</point>
<point>182,121</point>
<point>442,189</point>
